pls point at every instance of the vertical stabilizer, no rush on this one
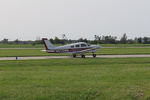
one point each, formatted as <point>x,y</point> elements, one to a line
<point>48,44</point>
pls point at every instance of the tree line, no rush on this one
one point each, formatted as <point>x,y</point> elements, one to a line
<point>97,40</point>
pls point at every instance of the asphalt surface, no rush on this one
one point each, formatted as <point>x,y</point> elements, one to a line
<point>102,47</point>
<point>67,57</point>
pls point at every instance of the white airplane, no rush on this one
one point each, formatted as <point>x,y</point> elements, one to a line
<point>74,49</point>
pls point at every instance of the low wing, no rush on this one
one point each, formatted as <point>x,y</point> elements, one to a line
<point>75,52</point>
<point>85,51</point>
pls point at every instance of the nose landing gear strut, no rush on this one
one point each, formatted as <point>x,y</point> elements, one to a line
<point>74,55</point>
<point>83,56</point>
<point>94,55</point>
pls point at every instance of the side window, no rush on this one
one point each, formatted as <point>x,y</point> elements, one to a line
<point>83,45</point>
<point>72,46</point>
<point>77,45</point>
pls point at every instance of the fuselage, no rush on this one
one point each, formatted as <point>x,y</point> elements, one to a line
<point>74,48</point>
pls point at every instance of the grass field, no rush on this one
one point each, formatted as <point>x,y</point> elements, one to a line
<point>103,51</point>
<point>21,46</point>
<point>42,46</point>
<point>125,45</point>
<point>80,79</point>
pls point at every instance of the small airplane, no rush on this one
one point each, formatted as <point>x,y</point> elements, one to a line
<point>74,48</point>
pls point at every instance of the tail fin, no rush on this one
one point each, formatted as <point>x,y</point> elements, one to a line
<point>48,44</point>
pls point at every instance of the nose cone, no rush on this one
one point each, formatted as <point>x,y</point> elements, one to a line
<point>98,47</point>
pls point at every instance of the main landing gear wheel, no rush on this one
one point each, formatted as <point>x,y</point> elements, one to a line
<point>74,55</point>
<point>94,55</point>
<point>83,56</point>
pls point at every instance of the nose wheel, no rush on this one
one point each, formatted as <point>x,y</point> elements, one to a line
<point>83,56</point>
<point>74,55</point>
<point>94,55</point>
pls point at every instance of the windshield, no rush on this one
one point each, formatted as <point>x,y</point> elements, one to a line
<point>83,45</point>
<point>89,45</point>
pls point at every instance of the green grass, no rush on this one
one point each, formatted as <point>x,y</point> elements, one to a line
<point>124,51</point>
<point>21,46</point>
<point>125,45</point>
<point>103,51</point>
<point>75,79</point>
<point>42,46</point>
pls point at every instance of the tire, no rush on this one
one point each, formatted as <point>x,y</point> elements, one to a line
<point>74,55</point>
<point>94,55</point>
<point>83,56</point>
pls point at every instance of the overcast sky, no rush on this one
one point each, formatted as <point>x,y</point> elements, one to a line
<point>28,19</point>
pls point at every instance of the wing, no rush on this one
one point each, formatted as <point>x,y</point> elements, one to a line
<point>85,51</point>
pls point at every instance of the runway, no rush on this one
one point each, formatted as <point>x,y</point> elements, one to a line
<point>67,57</point>
<point>44,48</point>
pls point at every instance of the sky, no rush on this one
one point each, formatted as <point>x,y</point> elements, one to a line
<point>31,19</point>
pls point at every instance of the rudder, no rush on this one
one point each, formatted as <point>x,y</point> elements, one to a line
<point>48,44</point>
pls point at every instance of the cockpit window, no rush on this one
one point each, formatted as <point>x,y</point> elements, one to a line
<point>77,45</point>
<point>72,46</point>
<point>83,45</point>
